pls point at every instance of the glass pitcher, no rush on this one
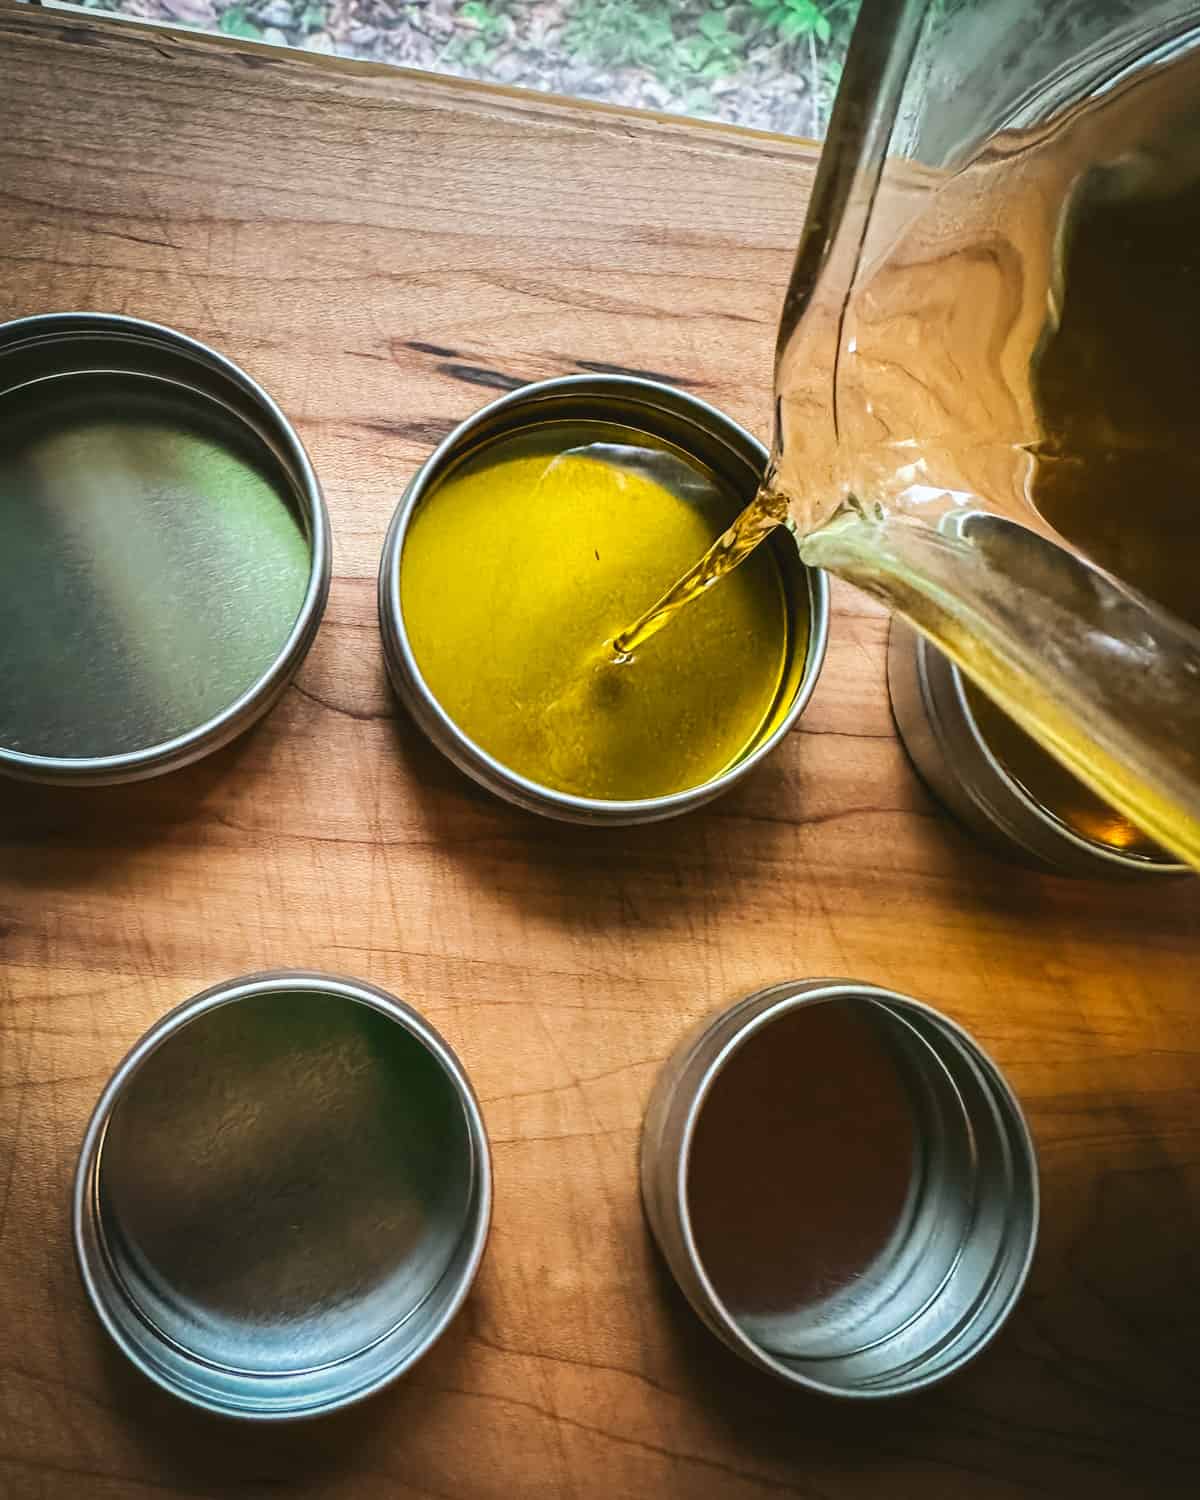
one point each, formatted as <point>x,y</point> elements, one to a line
<point>996,306</point>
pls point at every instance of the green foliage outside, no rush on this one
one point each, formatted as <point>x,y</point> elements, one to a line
<point>688,45</point>
<point>236,21</point>
<point>778,60</point>
<point>691,46</point>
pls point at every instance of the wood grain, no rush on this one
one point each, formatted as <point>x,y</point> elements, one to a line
<point>384,251</point>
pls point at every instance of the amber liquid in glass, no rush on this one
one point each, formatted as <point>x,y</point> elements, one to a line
<point>1026,346</point>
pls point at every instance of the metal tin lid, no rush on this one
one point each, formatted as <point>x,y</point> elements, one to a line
<point>164,549</point>
<point>843,1185</point>
<point>283,1195</point>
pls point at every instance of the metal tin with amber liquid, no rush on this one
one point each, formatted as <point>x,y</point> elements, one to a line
<point>995,780</point>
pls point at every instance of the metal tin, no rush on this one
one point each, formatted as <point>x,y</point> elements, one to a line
<point>957,1255</point>
<point>944,740</point>
<point>164,549</point>
<point>666,413</point>
<point>283,1195</point>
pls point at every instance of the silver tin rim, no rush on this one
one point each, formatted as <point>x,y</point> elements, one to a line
<point>415,693</point>
<point>676,1102</point>
<point>106,1293</point>
<point>262,695</point>
<point>939,730</point>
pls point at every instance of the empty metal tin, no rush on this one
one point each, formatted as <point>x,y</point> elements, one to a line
<point>947,742</point>
<point>283,1195</point>
<point>164,549</point>
<point>843,1186</point>
<point>663,413</point>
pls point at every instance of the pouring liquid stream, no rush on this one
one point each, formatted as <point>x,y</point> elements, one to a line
<point>766,511</point>
<point>1022,345</point>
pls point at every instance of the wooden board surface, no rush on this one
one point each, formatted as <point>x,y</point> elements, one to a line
<point>384,252</point>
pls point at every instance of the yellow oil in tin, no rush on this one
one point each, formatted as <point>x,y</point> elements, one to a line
<point>530,555</point>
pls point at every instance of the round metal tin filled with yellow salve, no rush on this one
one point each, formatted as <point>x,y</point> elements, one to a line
<point>164,549</point>
<point>541,525</point>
